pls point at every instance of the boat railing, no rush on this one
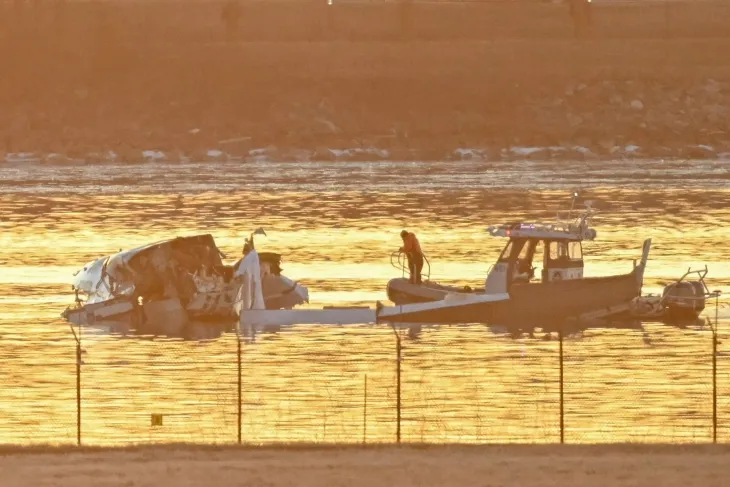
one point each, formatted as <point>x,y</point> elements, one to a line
<point>707,294</point>
<point>701,274</point>
<point>571,218</point>
<point>399,260</point>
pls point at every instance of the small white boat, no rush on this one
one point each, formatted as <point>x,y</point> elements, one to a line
<point>540,271</point>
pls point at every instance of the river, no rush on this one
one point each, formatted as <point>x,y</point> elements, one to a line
<point>336,224</point>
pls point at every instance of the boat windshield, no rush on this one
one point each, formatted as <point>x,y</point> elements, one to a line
<point>538,259</point>
<point>566,253</point>
<point>526,256</point>
<point>509,248</point>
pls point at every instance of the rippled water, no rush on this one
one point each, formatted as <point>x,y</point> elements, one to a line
<point>336,224</point>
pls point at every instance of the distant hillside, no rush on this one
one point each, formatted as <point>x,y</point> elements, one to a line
<point>430,77</point>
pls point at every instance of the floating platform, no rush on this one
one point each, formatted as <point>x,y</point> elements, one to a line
<point>325,316</point>
<point>429,312</point>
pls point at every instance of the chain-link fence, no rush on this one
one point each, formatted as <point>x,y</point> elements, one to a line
<point>643,392</point>
<point>38,392</point>
<point>371,384</point>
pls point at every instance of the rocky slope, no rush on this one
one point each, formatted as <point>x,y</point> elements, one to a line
<point>148,82</point>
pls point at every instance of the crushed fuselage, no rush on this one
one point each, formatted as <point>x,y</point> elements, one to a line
<point>177,279</point>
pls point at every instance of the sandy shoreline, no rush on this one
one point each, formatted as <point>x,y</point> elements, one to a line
<point>153,77</point>
<point>616,465</point>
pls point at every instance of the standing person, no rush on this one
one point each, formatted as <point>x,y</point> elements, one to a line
<point>414,254</point>
<point>247,248</point>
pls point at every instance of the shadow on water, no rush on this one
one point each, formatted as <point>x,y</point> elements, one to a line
<point>577,330</point>
<point>213,330</point>
<point>192,331</point>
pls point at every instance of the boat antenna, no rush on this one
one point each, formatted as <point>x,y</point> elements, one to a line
<point>572,204</point>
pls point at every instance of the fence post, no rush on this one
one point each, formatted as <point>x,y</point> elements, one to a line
<point>365,412</point>
<point>77,338</point>
<point>398,383</point>
<point>562,397</point>
<point>714,384</point>
<point>240,380</point>
<point>714,370</point>
<point>78,390</point>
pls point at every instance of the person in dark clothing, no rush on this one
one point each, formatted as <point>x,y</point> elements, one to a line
<point>412,248</point>
<point>247,248</point>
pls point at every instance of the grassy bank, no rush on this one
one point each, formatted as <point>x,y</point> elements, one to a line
<point>128,76</point>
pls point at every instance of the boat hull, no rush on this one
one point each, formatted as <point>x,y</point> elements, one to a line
<point>213,306</point>
<point>401,291</point>
<point>533,304</point>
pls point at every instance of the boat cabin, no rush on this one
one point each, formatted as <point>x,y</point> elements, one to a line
<point>538,253</point>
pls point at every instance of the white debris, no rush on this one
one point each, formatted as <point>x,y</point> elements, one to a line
<point>262,154</point>
<point>470,154</point>
<point>637,105</point>
<point>351,152</point>
<point>21,157</point>
<point>153,155</point>
<point>526,151</point>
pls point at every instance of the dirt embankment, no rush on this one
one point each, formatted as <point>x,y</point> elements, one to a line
<point>85,78</point>
<point>443,466</point>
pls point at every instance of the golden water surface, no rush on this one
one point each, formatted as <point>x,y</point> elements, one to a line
<point>336,224</point>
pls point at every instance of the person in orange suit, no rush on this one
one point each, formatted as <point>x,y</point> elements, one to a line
<point>412,248</point>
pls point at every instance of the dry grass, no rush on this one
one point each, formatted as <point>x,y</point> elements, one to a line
<point>566,466</point>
